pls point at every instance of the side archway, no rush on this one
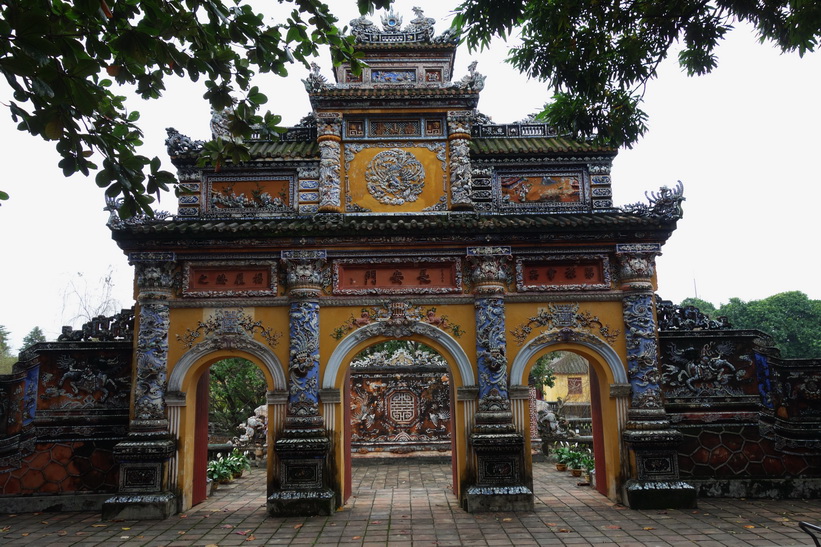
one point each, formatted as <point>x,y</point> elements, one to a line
<point>186,411</point>
<point>608,405</point>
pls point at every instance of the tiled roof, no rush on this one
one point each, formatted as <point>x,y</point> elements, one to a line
<point>495,147</point>
<point>261,150</point>
<point>532,145</point>
<point>565,225</point>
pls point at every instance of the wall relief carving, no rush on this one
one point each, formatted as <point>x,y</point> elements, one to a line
<point>395,177</point>
<point>559,317</point>
<point>228,323</point>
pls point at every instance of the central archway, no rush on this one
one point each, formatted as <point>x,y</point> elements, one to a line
<point>335,381</point>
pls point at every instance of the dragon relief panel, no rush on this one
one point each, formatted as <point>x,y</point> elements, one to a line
<point>86,382</point>
<point>706,370</point>
<point>395,176</point>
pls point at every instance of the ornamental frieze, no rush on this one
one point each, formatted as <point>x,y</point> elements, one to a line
<point>397,276</point>
<point>398,312</point>
<point>706,371</point>
<point>557,317</point>
<point>395,177</point>
<point>267,193</point>
<point>224,323</point>
<point>540,189</point>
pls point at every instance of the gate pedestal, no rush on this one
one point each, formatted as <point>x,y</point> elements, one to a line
<point>499,449</point>
<point>141,494</point>
<point>654,445</point>
<point>303,476</point>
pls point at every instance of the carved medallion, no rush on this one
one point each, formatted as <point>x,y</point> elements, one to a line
<point>395,177</point>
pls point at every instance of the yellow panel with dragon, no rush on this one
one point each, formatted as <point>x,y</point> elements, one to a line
<point>396,177</point>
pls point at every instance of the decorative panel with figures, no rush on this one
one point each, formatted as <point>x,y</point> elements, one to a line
<point>266,193</point>
<point>541,189</point>
<point>400,402</point>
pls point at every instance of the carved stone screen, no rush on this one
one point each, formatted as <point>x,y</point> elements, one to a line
<point>400,401</point>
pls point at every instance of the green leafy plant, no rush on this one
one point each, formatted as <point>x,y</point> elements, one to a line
<point>219,470</point>
<point>588,462</point>
<point>237,462</point>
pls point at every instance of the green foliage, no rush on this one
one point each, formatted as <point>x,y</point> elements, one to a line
<point>542,372</point>
<point>62,60</point>
<point>237,462</point>
<point>36,335</point>
<point>219,470</point>
<point>791,318</point>
<point>5,349</point>
<point>237,388</point>
<point>599,56</point>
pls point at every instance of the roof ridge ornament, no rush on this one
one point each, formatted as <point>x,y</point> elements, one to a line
<point>665,204</point>
<point>419,30</point>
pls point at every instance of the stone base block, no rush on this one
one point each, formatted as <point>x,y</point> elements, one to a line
<point>140,507</point>
<point>660,495</point>
<point>301,503</point>
<point>485,499</point>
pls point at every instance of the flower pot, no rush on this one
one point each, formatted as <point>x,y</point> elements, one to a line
<point>576,472</point>
<point>561,467</point>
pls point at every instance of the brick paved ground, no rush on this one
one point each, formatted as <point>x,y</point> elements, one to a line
<point>410,503</point>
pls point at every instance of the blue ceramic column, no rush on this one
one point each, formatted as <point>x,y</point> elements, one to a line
<point>501,481</point>
<point>301,486</point>
<point>655,479</point>
<point>143,458</point>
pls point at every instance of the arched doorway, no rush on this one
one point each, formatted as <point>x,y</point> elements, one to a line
<point>337,378</point>
<point>608,405</point>
<point>187,408</point>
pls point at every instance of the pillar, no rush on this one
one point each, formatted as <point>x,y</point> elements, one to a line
<point>143,491</point>
<point>654,481</point>
<point>329,137</point>
<point>460,168</point>
<point>303,447</point>
<point>500,482</point>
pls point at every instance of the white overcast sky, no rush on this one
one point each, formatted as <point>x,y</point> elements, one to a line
<point>744,140</point>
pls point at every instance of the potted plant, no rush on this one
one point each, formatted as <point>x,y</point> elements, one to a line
<point>562,453</point>
<point>588,464</point>
<point>219,470</point>
<point>574,462</point>
<point>238,462</point>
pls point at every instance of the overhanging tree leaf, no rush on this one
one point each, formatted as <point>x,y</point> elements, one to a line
<point>599,56</point>
<point>58,56</point>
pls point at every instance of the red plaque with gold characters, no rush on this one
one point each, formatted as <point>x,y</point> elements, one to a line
<point>229,279</point>
<point>557,273</point>
<point>430,276</point>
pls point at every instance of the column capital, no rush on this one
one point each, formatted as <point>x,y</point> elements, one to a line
<point>637,265</point>
<point>305,273</point>
<point>490,269</point>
